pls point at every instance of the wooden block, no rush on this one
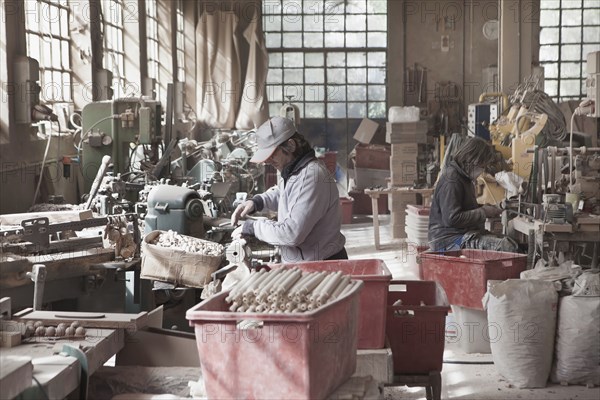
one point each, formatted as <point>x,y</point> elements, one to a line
<point>406,127</point>
<point>405,151</point>
<point>10,339</point>
<point>378,363</point>
<point>16,374</point>
<point>131,322</point>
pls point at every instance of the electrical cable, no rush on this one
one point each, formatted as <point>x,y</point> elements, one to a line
<point>41,387</point>
<point>571,152</point>
<point>84,135</point>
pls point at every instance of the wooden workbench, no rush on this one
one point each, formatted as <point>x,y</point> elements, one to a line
<point>58,374</point>
<point>375,193</point>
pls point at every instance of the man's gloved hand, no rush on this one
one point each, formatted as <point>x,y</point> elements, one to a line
<point>491,211</point>
<point>241,211</point>
<point>237,233</point>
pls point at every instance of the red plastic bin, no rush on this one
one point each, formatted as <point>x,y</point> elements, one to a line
<point>416,332</point>
<point>276,356</point>
<point>373,299</point>
<point>464,273</point>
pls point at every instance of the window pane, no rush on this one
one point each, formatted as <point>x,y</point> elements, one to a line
<point>334,39</point>
<point>377,110</point>
<point>376,7</point>
<point>590,3</point>
<point>313,59</point>
<point>53,16</point>
<point>571,3</point>
<point>570,87</point>
<point>356,6</point>
<point>357,75</point>
<point>292,59</point>
<point>272,23</point>
<point>377,22</point>
<point>356,23</point>
<point>292,75</point>
<point>548,53</point>
<point>313,40</point>
<point>357,93</point>
<point>376,75</point>
<point>551,70</point>
<point>571,17</point>
<point>592,17</point>
<point>275,75</point>
<point>549,17</point>
<point>336,110</point>
<point>274,108</point>
<point>376,93</point>
<point>376,59</point>
<point>571,35</point>
<point>67,87</point>
<point>292,40</point>
<point>65,54</point>
<point>314,75</point>
<point>292,23</point>
<point>336,59</point>
<point>551,87</point>
<point>32,15</point>
<point>64,23</point>
<point>357,39</point>
<point>314,110</point>
<point>275,60</point>
<point>313,23</point>
<point>56,55</point>
<point>334,23</point>
<point>570,70</point>
<point>357,110</point>
<point>570,53</point>
<point>357,59</point>
<point>589,48</point>
<point>591,34</point>
<point>377,39</point>
<point>293,90</point>
<point>314,93</point>
<point>273,40</point>
<point>336,93</point>
<point>336,75</point>
<point>548,35</point>
<point>275,93</point>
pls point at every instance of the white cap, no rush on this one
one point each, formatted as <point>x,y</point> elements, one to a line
<point>271,134</point>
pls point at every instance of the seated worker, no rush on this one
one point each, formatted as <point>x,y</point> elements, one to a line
<point>456,221</point>
<point>306,199</point>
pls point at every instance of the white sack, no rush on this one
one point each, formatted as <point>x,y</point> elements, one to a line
<point>522,322</point>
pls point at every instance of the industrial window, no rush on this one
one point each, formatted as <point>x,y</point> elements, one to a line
<point>48,41</point>
<point>569,30</point>
<point>114,55</point>
<point>180,43</point>
<point>329,55</point>
<point>152,44</point>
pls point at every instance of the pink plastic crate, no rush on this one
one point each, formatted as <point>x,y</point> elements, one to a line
<point>282,356</point>
<point>373,299</point>
<point>464,273</point>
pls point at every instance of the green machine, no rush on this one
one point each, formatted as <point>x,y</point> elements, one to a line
<point>115,128</point>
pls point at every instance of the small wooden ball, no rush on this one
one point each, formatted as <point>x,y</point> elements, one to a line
<point>37,324</point>
<point>70,331</point>
<point>75,324</point>
<point>50,331</point>
<point>60,331</point>
<point>80,331</point>
<point>40,331</point>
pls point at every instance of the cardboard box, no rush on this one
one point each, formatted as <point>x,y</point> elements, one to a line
<point>407,151</point>
<point>410,132</point>
<point>372,156</point>
<point>367,132</point>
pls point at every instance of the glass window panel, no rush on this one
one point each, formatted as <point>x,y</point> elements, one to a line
<point>312,7</point>
<point>357,39</point>
<point>590,3</point>
<point>271,6</point>
<point>376,59</point>
<point>377,23</point>
<point>336,75</point>
<point>570,70</point>
<point>275,75</point>
<point>64,23</point>
<point>551,70</point>
<point>376,75</point>
<point>293,60</point>
<point>272,23</point>
<point>376,92</point>
<point>275,92</point>
<point>357,110</point>
<point>56,54</point>
<point>313,23</point>
<point>549,17</point>
<point>570,35</point>
<point>374,7</point>
<point>32,15</point>
<point>292,23</point>
<point>65,54</point>
<point>67,87</point>
<point>336,110</point>
<point>548,53</point>
<point>334,39</point>
<point>356,23</point>
<point>357,59</point>
<point>548,35</point>
<point>588,48</point>
<point>295,91</point>
<point>46,84</point>
<point>274,108</point>
<point>357,75</point>
<point>570,87</point>
<point>314,59</point>
<point>356,6</point>
<point>275,60</point>
<point>313,40</point>
<point>571,17</point>
<point>46,56</point>
<point>570,52</point>
<point>314,75</point>
<point>314,93</point>
<point>334,23</point>
<point>314,110</point>
<point>44,22</point>
<point>357,92</point>
<point>377,39</point>
<point>591,34</point>
<point>273,40</point>
<point>336,93</point>
<point>336,59</point>
<point>292,40</point>
<point>53,16</point>
<point>592,16</point>
<point>377,110</point>
<point>571,3</point>
<point>292,75</point>
<point>550,4</point>
<point>34,46</point>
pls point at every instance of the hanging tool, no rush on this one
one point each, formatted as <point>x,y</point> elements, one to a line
<point>38,276</point>
<point>96,184</point>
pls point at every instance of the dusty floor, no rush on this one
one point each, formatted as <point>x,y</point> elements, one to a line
<point>459,381</point>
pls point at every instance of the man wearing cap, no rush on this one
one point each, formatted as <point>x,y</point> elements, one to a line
<point>306,198</point>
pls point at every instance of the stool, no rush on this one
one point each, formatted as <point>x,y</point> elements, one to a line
<point>432,383</point>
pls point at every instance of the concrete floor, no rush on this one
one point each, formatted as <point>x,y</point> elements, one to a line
<point>459,381</point>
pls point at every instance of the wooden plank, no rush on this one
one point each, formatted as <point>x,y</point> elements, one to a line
<point>54,217</point>
<point>15,375</point>
<point>131,322</point>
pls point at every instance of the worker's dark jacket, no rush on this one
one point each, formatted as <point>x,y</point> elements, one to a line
<point>454,209</point>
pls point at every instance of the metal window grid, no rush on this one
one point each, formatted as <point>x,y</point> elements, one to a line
<point>114,53</point>
<point>352,85</point>
<point>152,42</point>
<point>180,43</point>
<point>49,42</point>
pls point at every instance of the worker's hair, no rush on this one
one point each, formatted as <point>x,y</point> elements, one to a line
<point>302,145</point>
<point>475,152</point>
